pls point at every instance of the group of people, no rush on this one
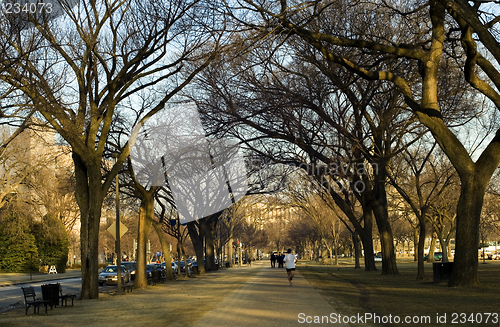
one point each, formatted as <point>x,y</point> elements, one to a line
<point>289,259</point>
<point>277,258</point>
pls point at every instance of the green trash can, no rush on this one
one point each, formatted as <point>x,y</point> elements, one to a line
<point>50,292</point>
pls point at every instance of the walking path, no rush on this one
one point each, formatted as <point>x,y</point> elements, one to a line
<point>266,299</point>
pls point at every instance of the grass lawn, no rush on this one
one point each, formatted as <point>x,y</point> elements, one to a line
<point>354,291</point>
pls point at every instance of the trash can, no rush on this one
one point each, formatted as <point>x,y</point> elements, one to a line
<point>441,271</point>
<point>50,292</point>
<point>156,276</point>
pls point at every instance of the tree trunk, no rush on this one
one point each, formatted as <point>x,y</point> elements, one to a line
<point>209,247</point>
<point>444,247</point>
<point>421,246</point>
<point>416,242</point>
<point>367,240</point>
<point>209,241</point>
<point>357,250</point>
<point>378,202</point>
<point>196,235</point>
<point>166,250</point>
<point>145,221</point>
<point>89,198</point>
<point>432,248</point>
<point>230,254</point>
<point>469,208</point>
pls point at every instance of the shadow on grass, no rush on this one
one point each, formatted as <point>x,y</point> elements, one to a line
<point>355,291</point>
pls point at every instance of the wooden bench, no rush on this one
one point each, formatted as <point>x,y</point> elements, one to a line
<point>31,300</point>
<point>128,287</point>
<point>65,297</point>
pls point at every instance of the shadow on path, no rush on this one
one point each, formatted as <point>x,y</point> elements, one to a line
<point>267,299</point>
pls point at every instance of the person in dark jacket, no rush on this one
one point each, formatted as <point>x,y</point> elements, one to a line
<point>280,260</point>
<point>273,260</point>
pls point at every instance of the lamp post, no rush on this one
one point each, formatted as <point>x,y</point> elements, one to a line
<point>31,264</point>
<point>117,244</point>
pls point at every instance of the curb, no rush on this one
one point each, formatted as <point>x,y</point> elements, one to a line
<point>9,283</point>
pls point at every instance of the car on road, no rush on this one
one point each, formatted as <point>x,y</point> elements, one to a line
<point>131,266</point>
<point>189,263</point>
<point>378,257</point>
<point>494,256</point>
<point>109,275</point>
<point>438,256</point>
<point>173,264</point>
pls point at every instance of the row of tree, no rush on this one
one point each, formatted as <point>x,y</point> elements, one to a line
<point>336,88</point>
<point>354,84</point>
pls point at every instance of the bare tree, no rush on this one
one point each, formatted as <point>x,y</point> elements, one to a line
<point>320,24</point>
<point>108,52</point>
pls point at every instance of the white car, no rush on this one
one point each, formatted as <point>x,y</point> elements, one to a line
<point>175,268</point>
<point>494,256</point>
<point>109,275</point>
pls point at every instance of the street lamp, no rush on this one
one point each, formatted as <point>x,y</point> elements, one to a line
<point>31,264</point>
<point>117,244</point>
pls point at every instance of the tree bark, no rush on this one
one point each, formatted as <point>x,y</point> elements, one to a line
<point>196,231</point>
<point>469,208</point>
<point>378,202</point>
<point>145,221</point>
<point>421,246</point>
<point>357,250</point>
<point>416,241</point>
<point>166,250</point>
<point>89,197</point>
<point>432,248</point>
<point>209,244</point>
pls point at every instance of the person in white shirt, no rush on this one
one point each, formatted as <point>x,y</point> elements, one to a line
<point>290,260</point>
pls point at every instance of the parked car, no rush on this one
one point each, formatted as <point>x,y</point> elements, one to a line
<point>159,266</point>
<point>109,275</point>
<point>131,266</point>
<point>173,264</point>
<point>378,257</point>
<point>438,256</point>
<point>175,267</point>
<point>494,256</point>
<point>149,269</point>
<point>182,268</point>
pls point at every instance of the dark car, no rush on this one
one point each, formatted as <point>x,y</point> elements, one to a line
<point>150,267</point>
<point>109,275</point>
<point>182,268</point>
<point>131,266</point>
<point>438,256</point>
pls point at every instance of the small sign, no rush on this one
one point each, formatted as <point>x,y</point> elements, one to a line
<point>112,229</point>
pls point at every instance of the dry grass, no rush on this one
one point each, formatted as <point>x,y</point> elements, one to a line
<point>352,291</point>
<point>178,303</point>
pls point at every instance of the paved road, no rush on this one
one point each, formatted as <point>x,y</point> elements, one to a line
<point>266,299</point>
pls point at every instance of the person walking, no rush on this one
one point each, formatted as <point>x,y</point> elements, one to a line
<point>273,260</point>
<point>290,260</point>
<point>280,260</point>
